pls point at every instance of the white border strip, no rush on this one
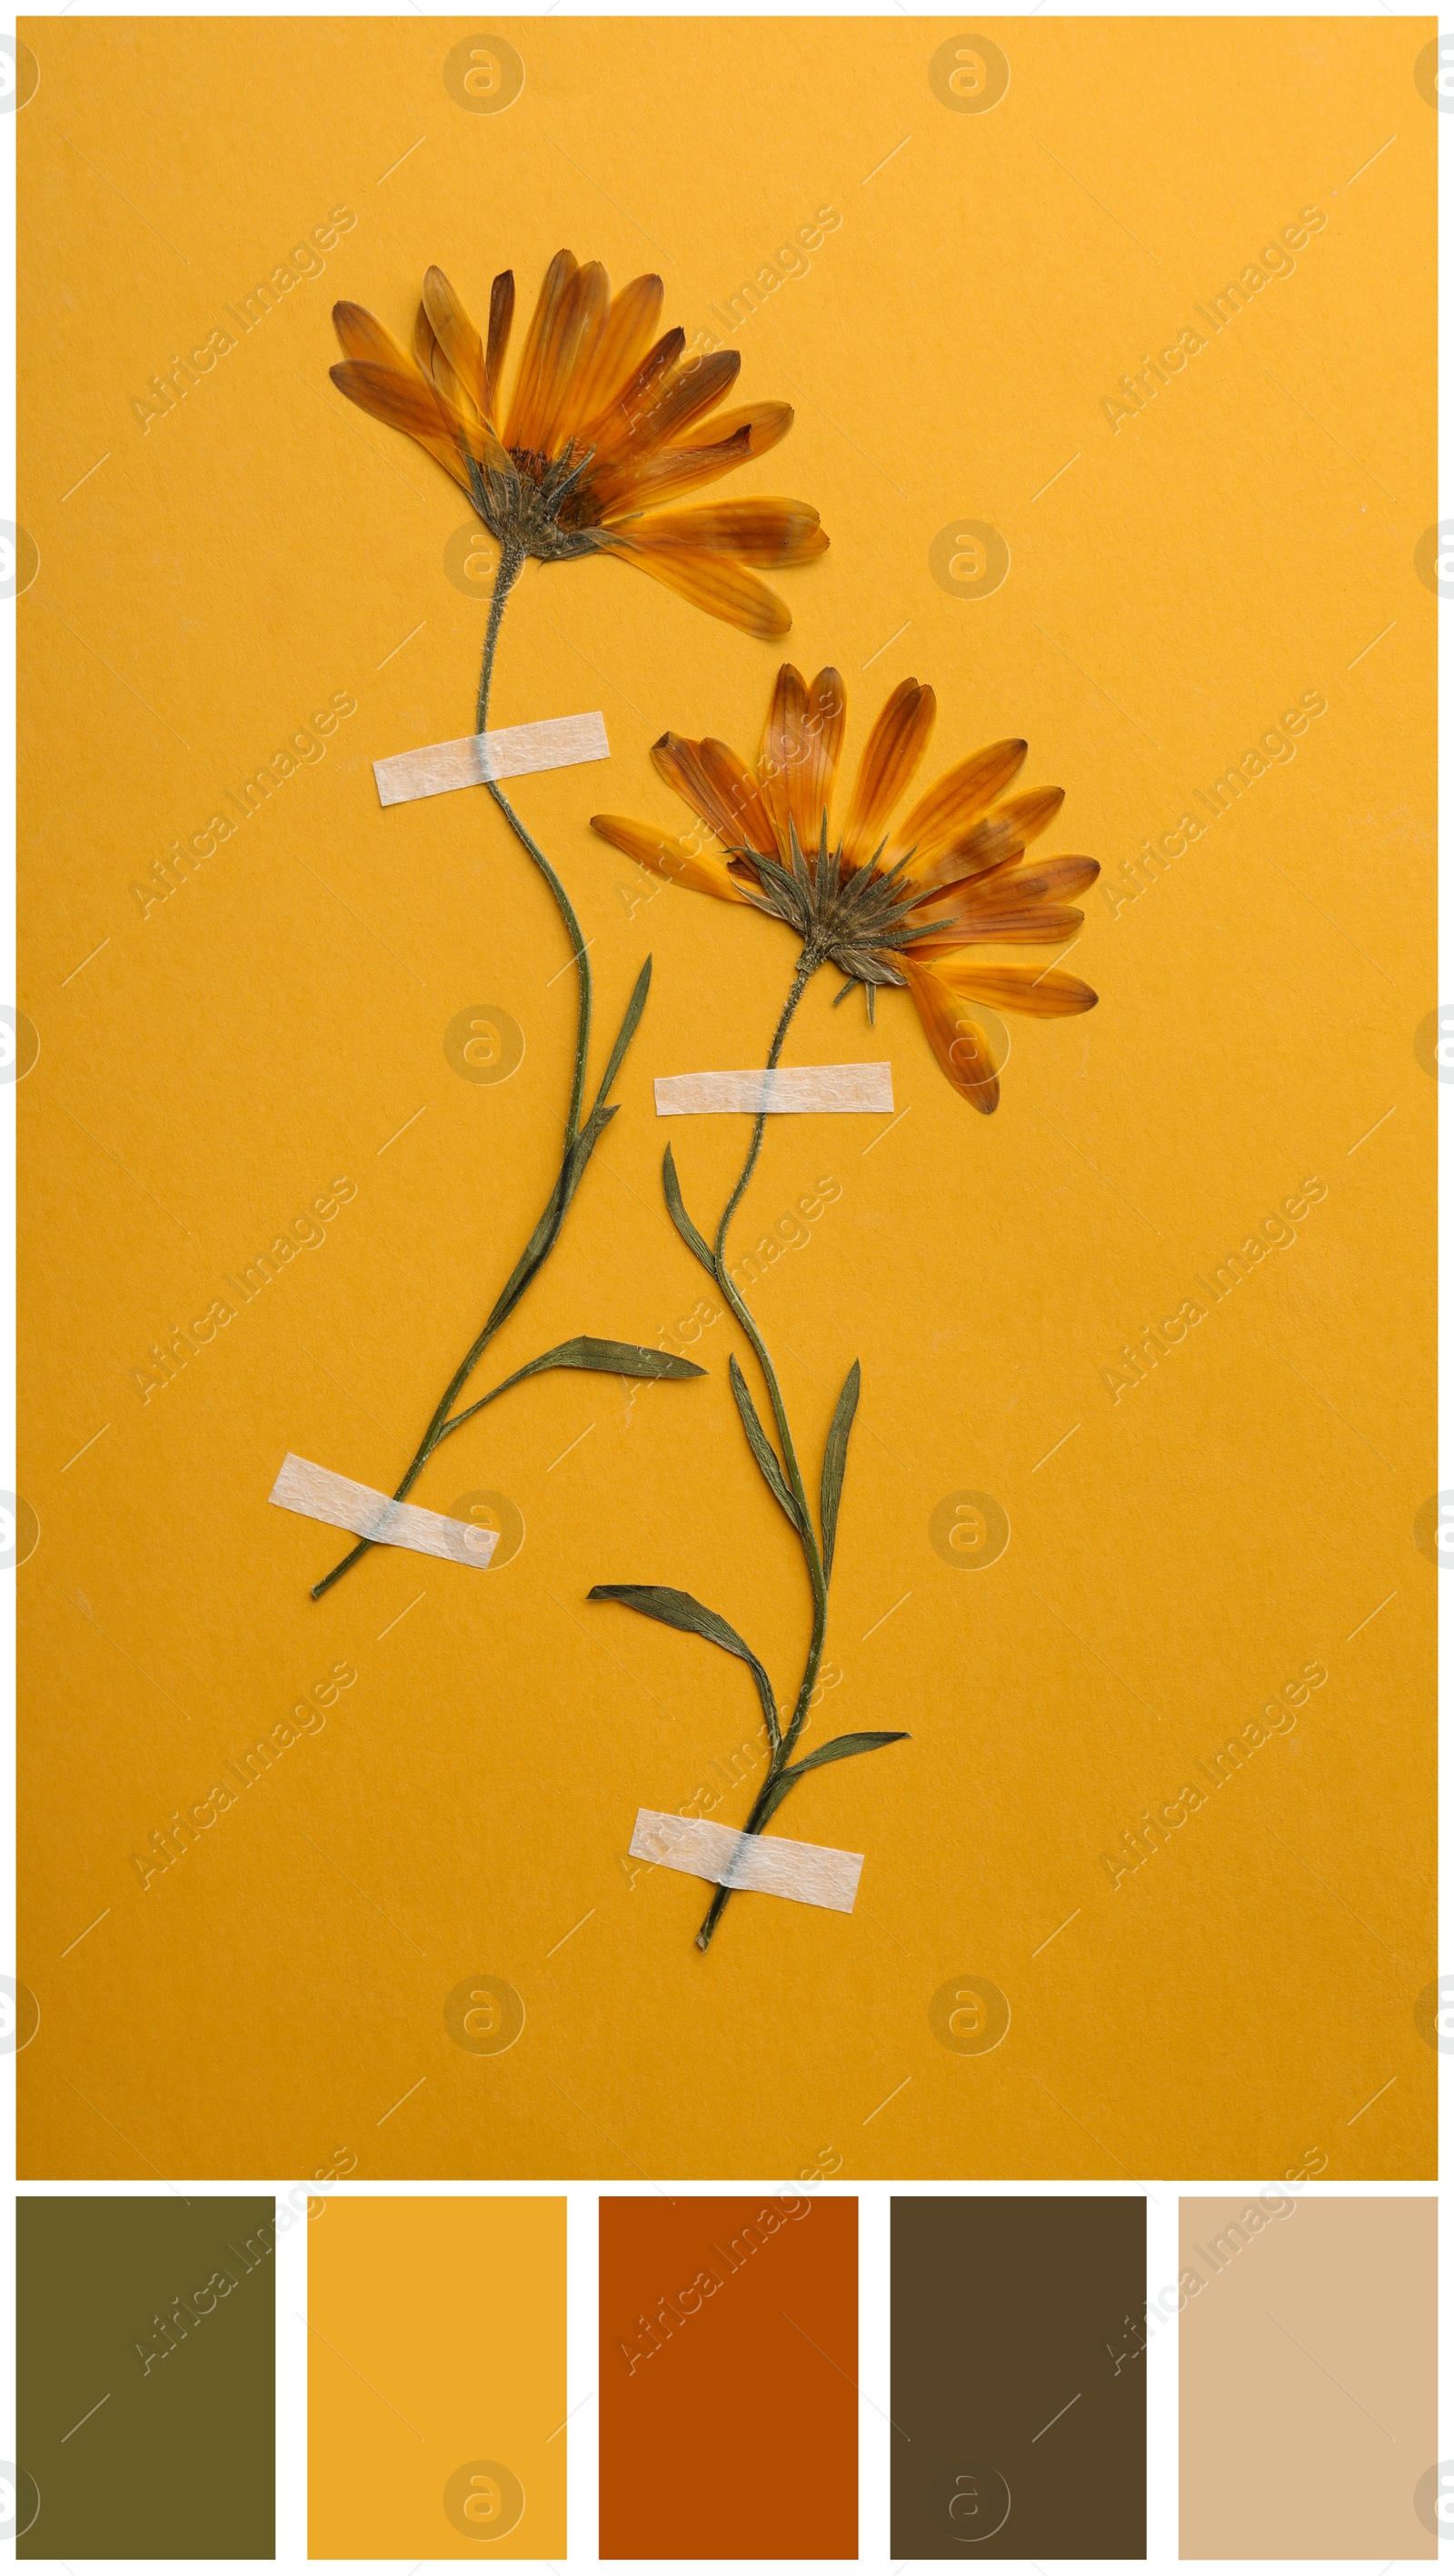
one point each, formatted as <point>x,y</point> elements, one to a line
<point>557,742</point>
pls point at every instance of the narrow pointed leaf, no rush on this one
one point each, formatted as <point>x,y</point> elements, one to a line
<point>627,1031</point>
<point>835,1458</point>
<point>679,1217</point>
<point>614,1359</point>
<point>679,1610</point>
<point>760,1445</point>
<point>838,1751</point>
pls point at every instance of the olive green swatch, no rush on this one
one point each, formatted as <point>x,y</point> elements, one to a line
<point>144,2376</point>
<point>1018,2377</point>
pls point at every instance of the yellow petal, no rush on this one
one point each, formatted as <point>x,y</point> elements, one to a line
<point>891,756</point>
<point>684,861</point>
<point>958,1041</point>
<point>713,582</point>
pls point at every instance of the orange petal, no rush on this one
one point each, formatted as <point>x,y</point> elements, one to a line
<point>611,432</point>
<point>891,756</point>
<point>774,534</point>
<point>361,337</point>
<point>713,582</point>
<point>693,390</point>
<point>1030,925</point>
<point>708,781</point>
<point>535,363</point>
<point>502,314</point>
<point>1057,879</point>
<point>457,337</point>
<point>1046,996</point>
<point>583,318</point>
<point>781,761</point>
<point>767,424</point>
<point>959,1042</point>
<point>684,861</point>
<point>941,819</point>
<point>624,490</point>
<point>406,403</point>
<point>1034,811</point>
<point>740,794</point>
<point>613,358</point>
<point>987,847</point>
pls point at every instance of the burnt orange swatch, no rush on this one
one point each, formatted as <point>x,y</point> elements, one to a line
<point>436,2379</point>
<point>1308,2350</point>
<point>713,2314</point>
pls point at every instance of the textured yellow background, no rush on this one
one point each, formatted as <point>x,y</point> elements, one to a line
<point>437,2339</point>
<point>214,1065</point>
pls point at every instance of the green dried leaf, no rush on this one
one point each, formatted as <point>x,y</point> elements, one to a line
<point>615,1359</point>
<point>839,1750</point>
<point>760,1445</point>
<point>679,1610</point>
<point>679,1217</point>
<point>627,1031</point>
<point>835,1458</point>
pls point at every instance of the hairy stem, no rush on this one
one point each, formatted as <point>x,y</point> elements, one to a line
<point>807,966</point>
<point>572,1160</point>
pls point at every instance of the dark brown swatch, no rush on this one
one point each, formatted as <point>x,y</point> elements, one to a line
<point>144,2377</point>
<point>729,2363</point>
<point>1018,2387</point>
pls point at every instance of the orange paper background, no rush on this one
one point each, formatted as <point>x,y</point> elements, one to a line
<point>1182,1547</point>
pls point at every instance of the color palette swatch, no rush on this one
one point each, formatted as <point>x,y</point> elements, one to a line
<point>145,2379</point>
<point>1019,2421</point>
<point>1308,2360</point>
<point>728,2378</point>
<point>437,2379</point>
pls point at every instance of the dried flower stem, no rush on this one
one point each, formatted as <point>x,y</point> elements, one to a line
<point>781,1755</point>
<point>580,1141</point>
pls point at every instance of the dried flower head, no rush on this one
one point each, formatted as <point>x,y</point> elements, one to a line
<point>898,904</point>
<point>606,422</point>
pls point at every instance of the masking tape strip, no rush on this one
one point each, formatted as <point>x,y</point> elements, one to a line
<point>787,1088</point>
<point>768,1865</point>
<point>321,1496</point>
<point>557,742</point>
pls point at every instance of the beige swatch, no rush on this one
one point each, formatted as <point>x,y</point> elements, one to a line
<point>1308,2355</point>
